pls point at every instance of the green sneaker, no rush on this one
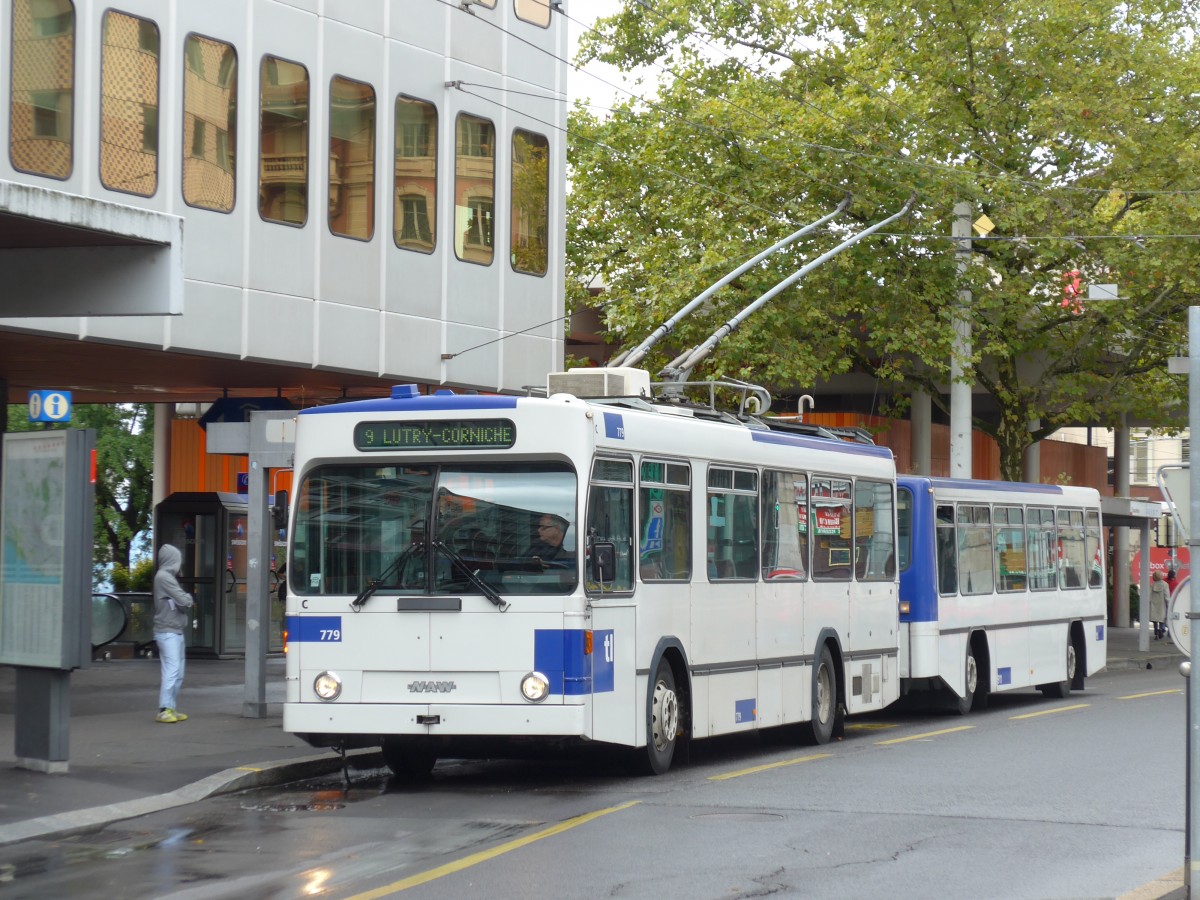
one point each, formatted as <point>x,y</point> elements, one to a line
<point>179,717</point>
<point>166,716</point>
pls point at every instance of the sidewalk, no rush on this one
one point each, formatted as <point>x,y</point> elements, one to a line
<point>124,764</point>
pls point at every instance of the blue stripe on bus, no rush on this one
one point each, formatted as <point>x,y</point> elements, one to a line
<point>1004,676</point>
<point>431,403</point>
<point>972,484</point>
<point>314,629</point>
<point>1100,632</point>
<point>745,710</point>
<point>558,654</point>
<point>812,443</point>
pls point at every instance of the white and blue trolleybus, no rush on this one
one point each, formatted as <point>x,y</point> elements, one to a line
<point>1001,587</point>
<point>470,572</point>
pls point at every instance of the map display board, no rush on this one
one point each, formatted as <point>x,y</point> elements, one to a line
<point>45,566</point>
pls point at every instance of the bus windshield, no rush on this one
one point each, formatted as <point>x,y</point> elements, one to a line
<point>512,525</point>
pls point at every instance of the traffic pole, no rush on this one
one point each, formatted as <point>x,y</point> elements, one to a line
<point>1193,614</point>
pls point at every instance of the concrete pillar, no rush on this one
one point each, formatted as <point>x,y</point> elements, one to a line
<point>164,414</point>
<point>921,434</point>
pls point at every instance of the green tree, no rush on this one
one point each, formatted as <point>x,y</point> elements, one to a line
<point>124,474</point>
<point>1071,123</point>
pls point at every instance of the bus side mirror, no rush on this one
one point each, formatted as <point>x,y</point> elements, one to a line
<point>279,509</point>
<point>603,562</point>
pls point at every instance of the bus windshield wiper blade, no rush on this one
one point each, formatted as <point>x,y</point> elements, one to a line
<point>374,584</point>
<point>484,588</point>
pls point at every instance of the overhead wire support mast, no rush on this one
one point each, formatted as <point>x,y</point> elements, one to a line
<point>678,370</point>
<point>638,353</point>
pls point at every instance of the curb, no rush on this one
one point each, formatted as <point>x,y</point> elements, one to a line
<point>228,781</point>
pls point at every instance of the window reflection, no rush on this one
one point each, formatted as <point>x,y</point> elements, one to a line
<point>43,82</point>
<point>351,158</point>
<point>416,175</point>
<point>209,123</point>
<point>129,104</point>
<point>474,189</point>
<point>530,201</point>
<point>535,11</point>
<point>283,126</point>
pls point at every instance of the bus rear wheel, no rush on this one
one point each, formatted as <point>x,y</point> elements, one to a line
<point>1061,689</point>
<point>824,700</point>
<point>663,731</point>
<point>408,760</point>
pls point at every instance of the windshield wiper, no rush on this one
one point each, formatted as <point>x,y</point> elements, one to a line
<point>461,564</point>
<point>374,584</point>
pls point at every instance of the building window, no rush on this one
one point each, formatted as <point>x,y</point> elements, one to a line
<point>283,139</point>
<point>530,202</point>
<point>474,189</point>
<point>209,108</point>
<point>351,158</point>
<point>129,105</point>
<point>535,11</point>
<point>1141,461</point>
<point>415,189</point>
<point>41,98</point>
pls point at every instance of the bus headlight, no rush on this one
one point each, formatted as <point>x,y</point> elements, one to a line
<point>535,687</point>
<point>327,685</point>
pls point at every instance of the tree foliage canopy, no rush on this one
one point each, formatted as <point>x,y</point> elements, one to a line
<point>1070,123</point>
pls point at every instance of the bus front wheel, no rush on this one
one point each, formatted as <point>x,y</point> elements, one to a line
<point>824,699</point>
<point>663,732</point>
<point>963,705</point>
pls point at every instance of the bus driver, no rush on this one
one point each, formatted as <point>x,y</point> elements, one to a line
<point>548,548</point>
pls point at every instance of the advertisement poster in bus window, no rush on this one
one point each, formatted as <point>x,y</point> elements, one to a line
<point>828,517</point>
<point>652,537</point>
<point>800,493</point>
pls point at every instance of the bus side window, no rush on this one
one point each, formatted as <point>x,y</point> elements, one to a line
<point>610,519</point>
<point>947,551</point>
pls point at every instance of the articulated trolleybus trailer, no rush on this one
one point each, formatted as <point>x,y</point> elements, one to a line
<point>1001,587</point>
<point>469,573</point>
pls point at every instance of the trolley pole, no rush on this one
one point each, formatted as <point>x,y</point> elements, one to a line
<point>960,357</point>
<point>1193,614</point>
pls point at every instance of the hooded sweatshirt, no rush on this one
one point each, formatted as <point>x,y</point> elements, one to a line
<point>171,602</point>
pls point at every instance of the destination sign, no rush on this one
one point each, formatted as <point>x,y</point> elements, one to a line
<point>454,434</point>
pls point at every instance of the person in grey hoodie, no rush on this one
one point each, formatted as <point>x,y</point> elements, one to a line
<point>171,613</point>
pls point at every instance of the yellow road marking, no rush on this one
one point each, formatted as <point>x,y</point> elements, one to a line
<point>1151,694</point>
<point>775,765</point>
<point>927,734</point>
<point>1050,712</point>
<point>484,855</point>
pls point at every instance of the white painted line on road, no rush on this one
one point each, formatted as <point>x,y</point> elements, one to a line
<point>927,734</point>
<point>1050,712</point>
<point>774,765</point>
<point>484,855</point>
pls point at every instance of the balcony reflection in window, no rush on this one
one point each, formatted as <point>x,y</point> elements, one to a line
<point>351,158</point>
<point>474,189</point>
<point>283,131</point>
<point>415,191</point>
